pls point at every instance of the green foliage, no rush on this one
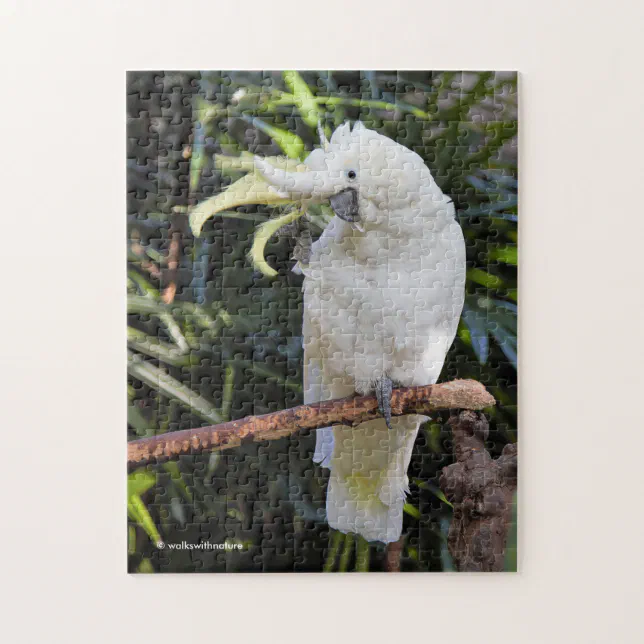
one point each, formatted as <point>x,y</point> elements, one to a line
<point>263,235</point>
<point>511,559</point>
<point>137,484</point>
<point>229,343</point>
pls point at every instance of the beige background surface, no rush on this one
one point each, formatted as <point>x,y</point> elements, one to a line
<point>62,323</point>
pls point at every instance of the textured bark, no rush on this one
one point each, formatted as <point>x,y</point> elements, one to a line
<point>458,394</point>
<point>481,490</point>
<point>394,554</point>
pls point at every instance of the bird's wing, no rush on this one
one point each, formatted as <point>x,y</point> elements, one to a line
<point>318,328</point>
<point>317,385</point>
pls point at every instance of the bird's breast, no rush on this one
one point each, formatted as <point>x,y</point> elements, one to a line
<point>385,305</point>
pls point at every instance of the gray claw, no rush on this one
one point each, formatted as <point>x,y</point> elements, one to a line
<point>384,390</point>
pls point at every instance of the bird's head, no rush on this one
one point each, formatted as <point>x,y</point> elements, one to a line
<point>366,177</point>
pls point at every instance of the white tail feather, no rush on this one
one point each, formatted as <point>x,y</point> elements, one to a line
<point>368,482</point>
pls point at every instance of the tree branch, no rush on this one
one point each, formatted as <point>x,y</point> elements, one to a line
<point>458,394</point>
<point>482,492</point>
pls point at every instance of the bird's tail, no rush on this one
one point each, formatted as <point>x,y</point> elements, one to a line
<point>368,482</point>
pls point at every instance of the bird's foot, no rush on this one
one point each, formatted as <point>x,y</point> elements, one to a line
<point>384,389</point>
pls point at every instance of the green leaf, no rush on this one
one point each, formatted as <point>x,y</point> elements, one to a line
<point>437,492</point>
<point>508,343</point>
<point>131,540</point>
<point>262,235</point>
<point>506,254</point>
<point>197,163</point>
<point>484,278</point>
<point>506,305</point>
<point>242,163</point>
<point>173,469</point>
<point>144,305</point>
<point>503,180</point>
<point>138,483</point>
<point>411,510</point>
<point>146,567</point>
<point>464,333</point>
<point>503,318</point>
<point>139,513</point>
<point>290,143</point>
<point>476,323</point>
<point>155,348</point>
<point>144,285</point>
<point>250,189</point>
<point>174,331</point>
<point>268,372</point>
<point>200,315</point>
<point>213,464</point>
<point>151,304</point>
<point>432,433</point>
<point>379,105</point>
<point>304,98</point>
<point>334,547</point>
<point>493,209</point>
<point>363,552</point>
<point>511,545</point>
<point>164,383</point>
<point>137,420</point>
<point>484,316</point>
<point>204,112</point>
<point>228,390</point>
<point>346,552</point>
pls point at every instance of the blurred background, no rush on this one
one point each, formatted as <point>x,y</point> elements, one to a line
<point>214,336</point>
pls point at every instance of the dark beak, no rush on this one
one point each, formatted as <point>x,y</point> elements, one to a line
<point>345,205</point>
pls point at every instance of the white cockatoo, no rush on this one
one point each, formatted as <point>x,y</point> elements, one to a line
<point>383,293</point>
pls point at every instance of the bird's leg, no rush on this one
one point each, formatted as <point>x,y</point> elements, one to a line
<point>384,390</point>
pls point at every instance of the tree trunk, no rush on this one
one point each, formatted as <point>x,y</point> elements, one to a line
<point>481,490</point>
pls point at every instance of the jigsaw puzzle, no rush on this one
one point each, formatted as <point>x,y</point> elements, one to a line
<point>322,321</point>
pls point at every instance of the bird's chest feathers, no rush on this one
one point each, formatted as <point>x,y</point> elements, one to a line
<point>347,261</point>
<point>383,303</point>
<point>370,281</point>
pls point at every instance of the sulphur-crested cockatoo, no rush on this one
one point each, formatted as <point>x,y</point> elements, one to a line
<point>383,293</point>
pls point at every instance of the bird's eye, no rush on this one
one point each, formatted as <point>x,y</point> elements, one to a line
<point>351,174</point>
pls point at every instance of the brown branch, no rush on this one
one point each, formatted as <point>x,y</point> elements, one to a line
<point>174,256</point>
<point>482,491</point>
<point>146,264</point>
<point>458,394</point>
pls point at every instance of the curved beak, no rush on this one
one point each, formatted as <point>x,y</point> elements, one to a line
<point>315,184</point>
<point>345,205</point>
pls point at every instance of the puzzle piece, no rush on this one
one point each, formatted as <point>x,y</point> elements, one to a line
<point>214,335</point>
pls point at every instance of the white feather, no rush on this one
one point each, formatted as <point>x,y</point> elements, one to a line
<point>384,301</point>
